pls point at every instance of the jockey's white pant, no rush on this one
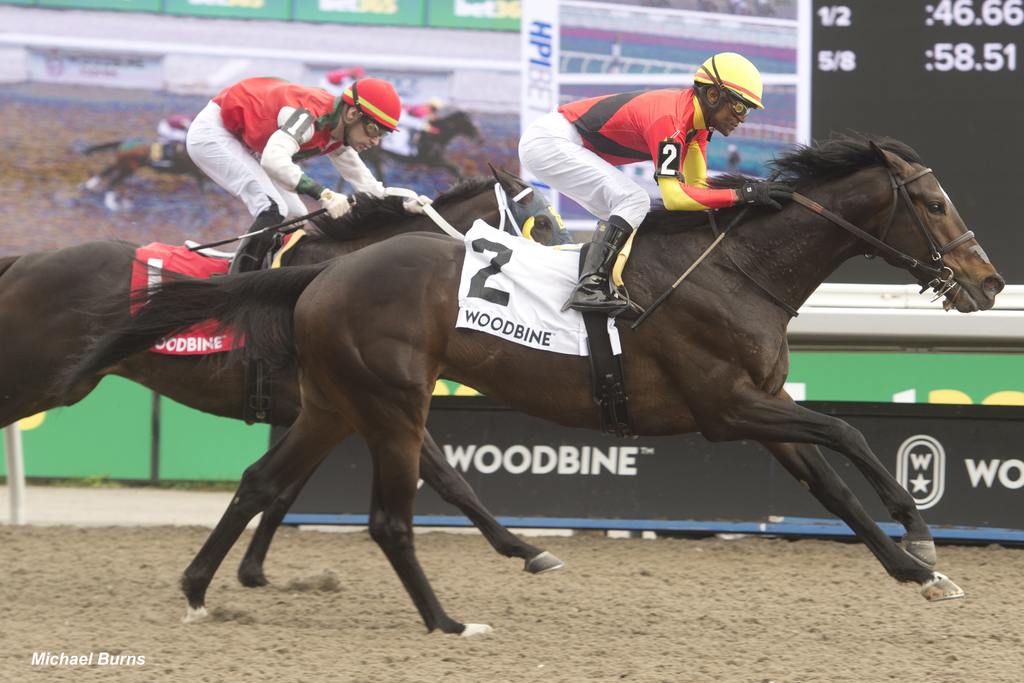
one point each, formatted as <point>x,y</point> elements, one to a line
<point>228,162</point>
<point>553,151</point>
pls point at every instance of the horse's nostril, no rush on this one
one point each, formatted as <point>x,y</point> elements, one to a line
<point>994,284</point>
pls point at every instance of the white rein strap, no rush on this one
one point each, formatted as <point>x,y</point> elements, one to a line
<point>438,219</point>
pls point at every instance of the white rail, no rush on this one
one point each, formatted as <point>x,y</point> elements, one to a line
<point>15,473</point>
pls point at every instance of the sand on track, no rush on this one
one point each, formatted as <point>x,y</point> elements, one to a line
<point>754,609</point>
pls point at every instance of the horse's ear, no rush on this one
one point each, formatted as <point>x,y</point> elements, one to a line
<point>878,151</point>
<point>893,161</point>
<point>509,181</point>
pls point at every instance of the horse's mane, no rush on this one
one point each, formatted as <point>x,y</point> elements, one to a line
<point>837,156</point>
<point>827,159</point>
<point>370,212</point>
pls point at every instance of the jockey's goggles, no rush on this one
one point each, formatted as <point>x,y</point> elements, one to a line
<point>738,106</point>
<point>374,129</point>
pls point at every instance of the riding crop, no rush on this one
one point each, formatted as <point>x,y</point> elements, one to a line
<point>272,228</point>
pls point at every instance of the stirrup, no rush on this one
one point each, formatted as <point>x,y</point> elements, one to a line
<point>610,307</point>
<point>612,304</point>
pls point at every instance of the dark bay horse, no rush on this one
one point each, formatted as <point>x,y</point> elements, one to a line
<point>44,299</point>
<point>713,358</point>
<point>136,153</point>
<point>429,147</point>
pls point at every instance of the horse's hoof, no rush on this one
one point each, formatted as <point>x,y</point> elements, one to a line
<point>941,588</point>
<point>252,580</point>
<point>252,577</point>
<point>475,630</point>
<point>923,552</point>
<point>194,614</point>
<point>545,562</point>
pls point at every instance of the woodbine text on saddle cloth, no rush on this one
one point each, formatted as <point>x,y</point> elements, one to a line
<point>514,288</point>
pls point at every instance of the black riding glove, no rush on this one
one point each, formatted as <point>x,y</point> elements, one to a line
<point>765,193</point>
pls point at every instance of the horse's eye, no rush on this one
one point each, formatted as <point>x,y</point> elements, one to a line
<point>938,208</point>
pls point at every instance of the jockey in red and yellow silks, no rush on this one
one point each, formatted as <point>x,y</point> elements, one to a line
<point>576,149</point>
<point>631,127</point>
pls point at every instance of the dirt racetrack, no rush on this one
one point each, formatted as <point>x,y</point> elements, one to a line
<point>748,610</point>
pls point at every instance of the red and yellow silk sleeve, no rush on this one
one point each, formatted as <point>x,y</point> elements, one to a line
<point>693,193</point>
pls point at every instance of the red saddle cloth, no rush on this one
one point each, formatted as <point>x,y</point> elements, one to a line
<point>200,339</point>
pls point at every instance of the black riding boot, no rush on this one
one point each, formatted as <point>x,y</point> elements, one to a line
<point>252,250</point>
<point>594,293</point>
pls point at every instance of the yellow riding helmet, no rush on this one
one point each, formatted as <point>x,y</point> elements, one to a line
<point>736,74</point>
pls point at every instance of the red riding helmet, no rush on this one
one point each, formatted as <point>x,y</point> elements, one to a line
<point>338,75</point>
<point>179,121</point>
<point>377,99</point>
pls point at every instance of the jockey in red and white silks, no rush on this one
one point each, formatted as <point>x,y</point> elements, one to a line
<point>250,136</point>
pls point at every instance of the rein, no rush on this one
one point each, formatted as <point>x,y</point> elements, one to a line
<point>942,275</point>
<point>899,192</point>
<point>402,192</point>
<point>428,209</point>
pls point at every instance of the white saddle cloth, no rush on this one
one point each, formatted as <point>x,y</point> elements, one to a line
<point>514,288</point>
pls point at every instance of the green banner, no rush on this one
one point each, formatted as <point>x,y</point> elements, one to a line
<point>981,379</point>
<point>106,435</point>
<point>125,5</point>
<point>17,2</point>
<point>195,445</point>
<point>241,9</point>
<point>109,435</point>
<point>961,378</point>
<point>501,15</point>
<point>390,12</point>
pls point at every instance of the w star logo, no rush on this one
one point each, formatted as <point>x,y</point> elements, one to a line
<point>921,469</point>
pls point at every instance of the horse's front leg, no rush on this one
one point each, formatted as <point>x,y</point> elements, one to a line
<point>438,473</point>
<point>778,420</point>
<point>807,464</point>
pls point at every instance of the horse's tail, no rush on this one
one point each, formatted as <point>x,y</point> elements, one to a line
<point>6,262</point>
<point>102,147</point>
<point>254,306</point>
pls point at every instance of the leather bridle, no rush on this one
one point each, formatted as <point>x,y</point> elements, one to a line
<point>942,279</point>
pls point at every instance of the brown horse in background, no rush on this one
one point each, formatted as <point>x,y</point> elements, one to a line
<point>45,299</point>
<point>134,154</point>
<point>373,331</point>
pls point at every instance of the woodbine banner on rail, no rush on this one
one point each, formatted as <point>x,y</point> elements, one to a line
<point>962,464</point>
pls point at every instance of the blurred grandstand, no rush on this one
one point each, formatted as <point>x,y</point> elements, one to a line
<point>615,39</point>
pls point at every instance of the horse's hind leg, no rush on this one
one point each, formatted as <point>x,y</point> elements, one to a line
<point>442,477</point>
<point>291,459</point>
<point>395,472</point>
<point>250,570</point>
